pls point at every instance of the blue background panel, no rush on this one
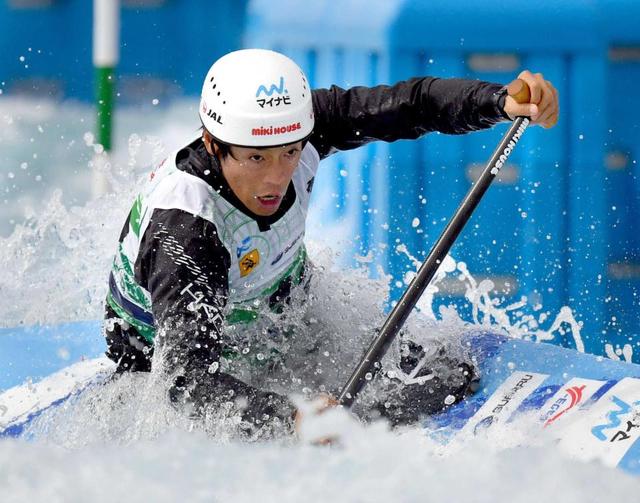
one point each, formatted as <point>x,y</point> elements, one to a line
<point>35,352</point>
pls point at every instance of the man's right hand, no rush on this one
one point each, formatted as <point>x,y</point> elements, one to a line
<point>321,403</point>
<point>542,105</point>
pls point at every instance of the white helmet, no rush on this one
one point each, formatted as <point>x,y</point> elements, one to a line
<point>256,98</point>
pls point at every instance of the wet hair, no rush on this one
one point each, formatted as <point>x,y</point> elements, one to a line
<point>224,149</point>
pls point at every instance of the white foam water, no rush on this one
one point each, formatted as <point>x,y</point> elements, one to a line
<point>122,441</point>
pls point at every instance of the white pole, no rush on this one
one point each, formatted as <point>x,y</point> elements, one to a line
<point>106,33</point>
<point>106,44</point>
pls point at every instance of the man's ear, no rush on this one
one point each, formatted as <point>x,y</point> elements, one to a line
<point>211,147</point>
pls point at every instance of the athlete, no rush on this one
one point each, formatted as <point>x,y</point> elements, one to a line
<point>215,241</point>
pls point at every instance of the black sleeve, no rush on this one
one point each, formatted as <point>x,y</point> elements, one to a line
<point>347,119</point>
<point>184,266</point>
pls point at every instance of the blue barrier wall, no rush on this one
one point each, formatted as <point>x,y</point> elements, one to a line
<point>540,232</point>
<point>621,25</point>
<point>46,50</point>
<point>166,46</point>
<point>559,226</point>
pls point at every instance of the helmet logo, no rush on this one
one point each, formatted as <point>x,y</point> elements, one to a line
<point>217,118</point>
<point>273,130</point>
<point>282,97</point>
<point>211,114</point>
<point>279,89</point>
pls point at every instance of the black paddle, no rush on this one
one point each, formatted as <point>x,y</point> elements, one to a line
<point>370,363</point>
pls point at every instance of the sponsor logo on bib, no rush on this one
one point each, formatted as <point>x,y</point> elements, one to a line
<point>243,247</point>
<point>249,262</point>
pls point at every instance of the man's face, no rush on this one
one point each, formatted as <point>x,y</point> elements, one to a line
<point>260,177</point>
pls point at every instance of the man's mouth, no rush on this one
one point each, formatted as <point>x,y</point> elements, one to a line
<point>269,201</point>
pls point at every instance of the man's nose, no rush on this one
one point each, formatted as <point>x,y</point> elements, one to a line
<point>278,175</point>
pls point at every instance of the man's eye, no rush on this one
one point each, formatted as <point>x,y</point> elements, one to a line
<point>256,158</point>
<point>292,152</point>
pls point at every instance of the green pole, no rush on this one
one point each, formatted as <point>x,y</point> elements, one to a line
<point>106,44</point>
<point>105,92</point>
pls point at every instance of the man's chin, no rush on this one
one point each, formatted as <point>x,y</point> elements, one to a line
<point>265,212</point>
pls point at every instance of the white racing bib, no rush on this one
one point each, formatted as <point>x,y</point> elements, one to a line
<point>260,260</point>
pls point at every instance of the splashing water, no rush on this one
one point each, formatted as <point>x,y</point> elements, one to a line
<point>626,352</point>
<point>54,269</point>
<point>487,312</point>
<point>63,248</point>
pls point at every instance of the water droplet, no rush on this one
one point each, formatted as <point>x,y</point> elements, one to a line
<point>88,139</point>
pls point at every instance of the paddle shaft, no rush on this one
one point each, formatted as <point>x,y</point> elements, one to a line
<point>370,363</point>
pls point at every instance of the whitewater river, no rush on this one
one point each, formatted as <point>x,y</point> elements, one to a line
<point>54,269</point>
